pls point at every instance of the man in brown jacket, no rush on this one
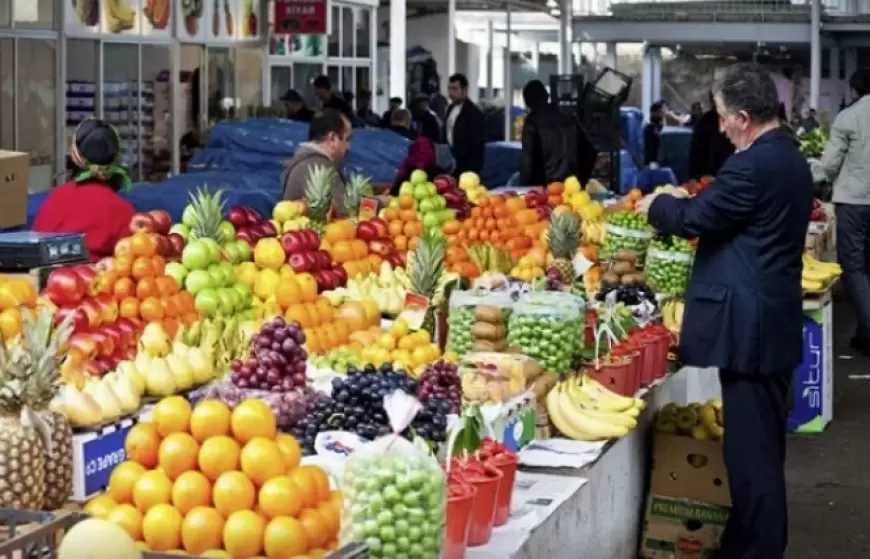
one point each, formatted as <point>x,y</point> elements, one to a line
<point>328,142</point>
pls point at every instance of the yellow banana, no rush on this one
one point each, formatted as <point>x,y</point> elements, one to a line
<point>594,389</point>
<point>573,423</point>
<point>594,401</point>
<point>623,419</point>
<point>807,285</point>
<point>810,262</point>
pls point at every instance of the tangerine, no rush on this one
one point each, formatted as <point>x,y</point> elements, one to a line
<point>129,308</point>
<point>123,265</point>
<point>151,309</point>
<point>159,264</point>
<point>190,490</point>
<point>284,537</point>
<point>210,418</point>
<point>142,443</point>
<point>243,533</point>
<point>100,507</point>
<point>315,526</point>
<point>121,481</point>
<point>152,488</point>
<point>177,454</point>
<point>170,310</point>
<point>290,450</point>
<point>307,485</point>
<point>143,267</point>
<point>395,228</point>
<point>123,288</point>
<point>11,322</point>
<point>128,518</point>
<point>141,244</point>
<point>342,252</point>
<point>313,315</point>
<point>167,285</point>
<point>287,293</point>
<point>279,496</point>
<point>202,530</point>
<point>297,313</point>
<point>308,286</point>
<point>406,202</point>
<point>161,528</point>
<point>261,460</point>
<point>217,455</point>
<point>321,481</point>
<point>331,513</point>
<point>233,491</point>
<point>172,415</point>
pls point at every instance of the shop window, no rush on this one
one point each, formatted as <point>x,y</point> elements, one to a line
<point>347,32</point>
<point>347,87</point>
<point>82,68</point>
<point>36,98</point>
<point>303,78</point>
<point>5,13</point>
<point>363,34</point>
<point>363,79</point>
<point>281,81</point>
<point>249,64</point>
<point>7,105</point>
<point>121,95</point>
<point>156,113</point>
<point>33,14</point>
<point>334,49</point>
<point>334,74</point>
<point>221,92</point>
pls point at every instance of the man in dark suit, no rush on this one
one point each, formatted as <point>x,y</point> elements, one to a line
<point>710,148</point>
<point>295,105</point>
<point>743,306</point>
<point>464,127</point>
<point>330,99</point>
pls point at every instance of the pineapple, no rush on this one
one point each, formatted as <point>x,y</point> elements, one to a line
<point>206,214</point>
<point>358,187</point>
<point>564,237</point>
<point>32,455</point>
<point>426,265</point>
<point>318,193</point>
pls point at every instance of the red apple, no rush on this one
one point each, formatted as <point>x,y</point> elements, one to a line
<point>84,344</point>
<point>244,233</point>
<point>298,262</point>
<point>106,363</point>
<point>175,241</point>
<point>381,225</point>
<point>325,259</point>
<point>322,279</point>
<point>94,368</point>
<point>64,287</point>
<point>312,259</point>
<point>340,274</point>
<point>105,346</point>
<point>108,309</point>
<point>381,247</point>
<point>162,221</point>
<point>253,216</point>
<point>128,331</point>
<point>79,320</point>
<point>444,183</point>
<point>93,312</point>
<point>268,229</point>
<point>238,217</point>
<point>313,239</point>
<point>142,222</point>
<point>160,243</point>
<point>367,231</point>
<point>293,242</point>
<point>115,334</point>
<point>88,276</point>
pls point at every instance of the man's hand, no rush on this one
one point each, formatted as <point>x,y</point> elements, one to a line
<point>644,203</point>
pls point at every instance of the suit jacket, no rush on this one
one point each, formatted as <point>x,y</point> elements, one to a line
<point>743,306</point>
<point>555,147</point>
<point>469,137</point>
<point>710,148</point>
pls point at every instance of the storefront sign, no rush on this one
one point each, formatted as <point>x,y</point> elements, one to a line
<point>300,17</point>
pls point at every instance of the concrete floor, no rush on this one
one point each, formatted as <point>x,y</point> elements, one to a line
<point>829,474</point>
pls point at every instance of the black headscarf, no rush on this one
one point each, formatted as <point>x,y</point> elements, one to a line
<point>95,152</point>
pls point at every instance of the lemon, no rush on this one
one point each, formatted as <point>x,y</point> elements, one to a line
<point>399,328</point>
<point>387,341</point>
<point>266,283</point>
<point>246,273</point>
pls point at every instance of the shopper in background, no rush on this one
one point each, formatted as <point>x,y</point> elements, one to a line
<point>555,144</point>
<point>652,132</point>
<point>421,152</point>
<point>464,129</point>
<point>296,108</point>
<point>425,121</point>
<point>744,311</point>
<point>387,118</point>
<point>328,142</point>
<point>710,147</point>
<point>402,124</point>
<point>364,109</point>
<point>330,100</point>
<point>845,162</point>
<point>89,203</point>
<point>695,114</point>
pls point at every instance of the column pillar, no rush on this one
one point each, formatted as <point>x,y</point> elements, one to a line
<point>565,66</point>
<point>650,79</point>
<point>398,49</point>
<point>451,38</point>
<point>490,58</point>
<point>815,53</point>
<point>536,57</point>
<point>610,58</point>
<point>508,77</point>
<point>850,65</point>
<point>835,77</point>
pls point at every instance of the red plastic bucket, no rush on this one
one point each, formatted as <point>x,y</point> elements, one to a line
<point>648,347</point>
<point>633,378</point>
<point>483,510</point>
<point>614,376</point>
<point>457,523</point>
<point>507,465</point>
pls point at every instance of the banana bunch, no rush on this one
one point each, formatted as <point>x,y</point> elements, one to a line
<point>488,258</point>
<point>700,421</point>
<point>119,16</point>
<point>592,231</point>
<point>227,338</point>
<point>583,410</point>
<point>816,275</point>
<point>672,314</point>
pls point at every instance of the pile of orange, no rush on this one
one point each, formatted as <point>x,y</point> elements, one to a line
<point>404,224</point>
<point>220,483</point>
<point>502,221</point>
<point>142,291</point>
<point>339,240</point>
<point>15,293</point>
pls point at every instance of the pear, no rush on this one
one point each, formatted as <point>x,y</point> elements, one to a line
<point>128,369</point>
<point>154,340</point>
<point>143,361</point>
<point>108,401</point>
<point>158,379</point>
<point>202,364</point>
<point>180,349</point>
<point>180,372</point>
<point>126,392</point>
<point>80,409</point>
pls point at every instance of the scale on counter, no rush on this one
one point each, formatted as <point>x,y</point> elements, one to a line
<point>24,250</point>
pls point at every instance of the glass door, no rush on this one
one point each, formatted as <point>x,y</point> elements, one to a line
<point>121,101</point>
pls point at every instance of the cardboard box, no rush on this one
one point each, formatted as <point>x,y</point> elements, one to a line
<point>513,423</point>
<point>14,174</point>
<point>689,500</point>
<point>813,380</point>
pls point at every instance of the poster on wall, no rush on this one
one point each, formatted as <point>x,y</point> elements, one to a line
<point>194,19</point>
<point>121,17</point>
<point>83,19</point>
<point>224,14</point>
<point>157,18</point>
<point>300,17</point>
<point>248,26</point>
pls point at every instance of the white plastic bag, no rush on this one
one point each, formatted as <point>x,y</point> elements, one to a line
<point>394,491</point>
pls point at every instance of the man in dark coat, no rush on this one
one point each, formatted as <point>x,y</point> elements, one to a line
<point>744,303</point>
<point>710,148</point>
<point>296,108</point>
<point>330,99</point>
<point>464,127</point>
<point>425,122</point>
<point>555,144</point>
<point>652,132</point>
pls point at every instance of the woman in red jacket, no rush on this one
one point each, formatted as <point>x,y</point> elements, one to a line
<point>421,152</point>
<point>89,203</point>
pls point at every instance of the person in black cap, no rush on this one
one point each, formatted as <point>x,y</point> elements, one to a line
<point>330,100</point>
<point>425,121</point>
<point>295,105</point>
<point>387,118</point>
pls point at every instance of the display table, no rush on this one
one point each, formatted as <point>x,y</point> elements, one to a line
<point>599,517</point>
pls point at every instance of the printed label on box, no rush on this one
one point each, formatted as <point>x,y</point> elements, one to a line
<point>812,383</point>
<point>679,528</point>
<point>101,455</point>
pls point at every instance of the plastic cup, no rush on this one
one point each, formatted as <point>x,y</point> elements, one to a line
<point>483,510</point>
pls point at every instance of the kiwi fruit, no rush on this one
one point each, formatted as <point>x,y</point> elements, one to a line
<point>625,255</point>
<point>621,268</point>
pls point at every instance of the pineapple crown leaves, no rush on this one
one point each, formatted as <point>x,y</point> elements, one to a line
<point>427,264</point>
<point>563,235</point>
<point>318,191</point>
<point>358,187</point>
<point>207,212</point>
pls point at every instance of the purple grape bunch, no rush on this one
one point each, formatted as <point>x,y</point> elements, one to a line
<point>440,381</point>
<point>277,361</point>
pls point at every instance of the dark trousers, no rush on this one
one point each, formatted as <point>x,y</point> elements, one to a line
<point>853,254</point>
<point>755,412</point>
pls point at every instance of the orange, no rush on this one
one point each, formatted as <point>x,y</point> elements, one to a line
<point>143,267</point>
<point>287,293</point>
<point>153,488</point>
<point>123,478</point>
<point>123,265</point>
<point>390,214</point>
<point>170,310</point>
<point>313,315</point>
<point>129,518</point>
<point>279,496</point>
<point>321,481</point>
<point>359,248</point>
<point>161,528</point>
<point>307,485</point>
<point>253,418</point>
<point>142,443</point>
<point>406,201</point>
<point>141,244</point>
<point>202,529</point>
<point>400,240</point>
<point>233,491</point>
<point>123,288</point>
<point>331,514</point>
<point>172,415</point>
<point>218,455</point>
<point>100,507</point>
<point>284,537</point>
<point>159,264</point>
<point>261,460</point>
<point>395,228</point>
<point>243,534</point>
<point>191,490</point>
<point>297,313</point>
<point>209,419</point>
<point>129,308</point>
<point>412,229</point>
<point>167,286</point>
<point>177,454</point>
<point>290,450</point>
<point>315,526</point>
<point>342,252</point>
<point>11,322</point>
<point>151,309</point>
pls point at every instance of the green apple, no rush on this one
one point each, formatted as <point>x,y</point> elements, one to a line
<point>227,300</point>
<point>427,205</point>
<point>418,176</point>
<point>217,275</point>
<point>196,255</point>
<point>445,215</point>
<point>246,253</point>
<point>431,189</point>
<point>406,188</point>
<point>180,229</point>
<point>231,249</point>
<point>228,272</point>
<point>421,192</point>
<point>440,202</point>
<point>244,293</point>
<point>213,247</point>
<point>430,221</point>
<point>207,302</point>
<point>176,270</point>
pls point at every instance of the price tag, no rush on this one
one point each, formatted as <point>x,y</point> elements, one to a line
<point>368,208</point>
<point>100,456</point>
<point>414,310</point>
